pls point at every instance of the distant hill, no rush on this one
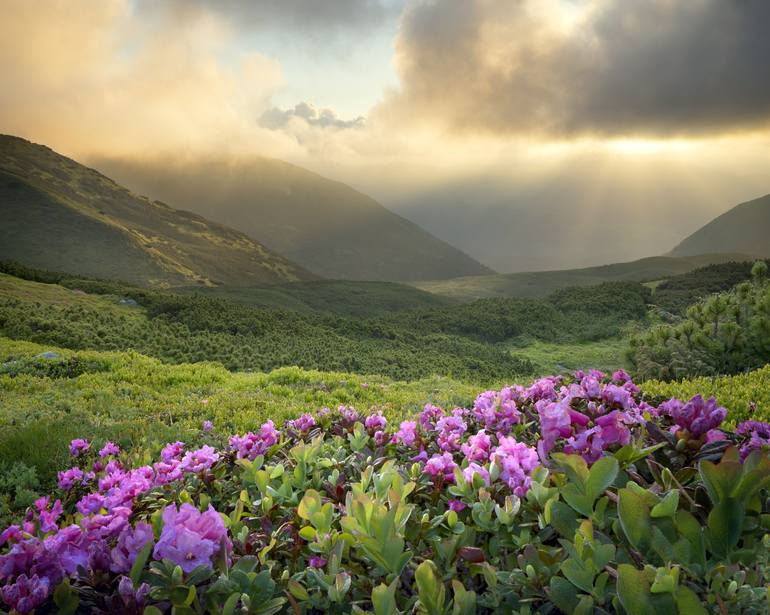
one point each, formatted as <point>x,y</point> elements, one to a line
<point>541,283</point>
<point>324,225</point>
<point>745,228</point>
<point>58,214</point>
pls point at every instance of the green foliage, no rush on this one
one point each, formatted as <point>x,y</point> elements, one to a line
<point>725,334</point>
<point>676,294</point>
<point>746,396</point>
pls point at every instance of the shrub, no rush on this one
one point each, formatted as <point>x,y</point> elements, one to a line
<point>569,495</point>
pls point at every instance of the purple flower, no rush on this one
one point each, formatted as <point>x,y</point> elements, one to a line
<point>758,434</point>
<point>429,415</point>
<point>451,430</point>
<point>190,538</point>
<point>375,422</point>
<point>697,416</point>
<point>130,542</point>
<point>477,447</point>
<point>68,478</point>
<point>457,505</point>
<point>250,445</point>
<point>132,598</point>
<point>621,376</point>
<point>380,438</point>
<point>79,447</point>
<point>200,460</point>
<point>26,593</point>
<point>48,518</point>
<point>497,410</point>
<point>441,466</point>
<point>349,415</point>
<point>303,424</point>
<point>110,448</point>
<point>172,451</point>
<point>12,533</point>
<point>472,470</point>
<point>166,473</point>
<point>406,434</point>
<point>316,562</point>
<point>516,461</point>
<point>207,426</point>
<point>90,503</point>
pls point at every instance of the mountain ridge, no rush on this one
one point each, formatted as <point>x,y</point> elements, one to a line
<point>324,225</point>
<point>745,226</point>
<point>61,214</point>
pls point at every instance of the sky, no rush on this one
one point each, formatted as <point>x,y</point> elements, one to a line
<point>530,133</point>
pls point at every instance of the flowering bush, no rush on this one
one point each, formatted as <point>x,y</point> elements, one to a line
<point>569,495</point>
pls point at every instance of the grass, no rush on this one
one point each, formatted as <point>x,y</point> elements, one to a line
<point>550,358</point>
<point>137,400</point>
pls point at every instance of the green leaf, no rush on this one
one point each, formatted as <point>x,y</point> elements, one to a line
<point>139,563</point>
<point>667,507</point>
<point>464,600</point>
<point>602,474</point>
<point>577,574</point>
<point>688,603</point>
<point>634,517</point>
<point>384,599</point>
<point>65,598</point>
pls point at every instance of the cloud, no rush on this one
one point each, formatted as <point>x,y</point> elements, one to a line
<point>602,67</point>
<point>276,118</point>
<point>305,15</point>
<point>102,77</point>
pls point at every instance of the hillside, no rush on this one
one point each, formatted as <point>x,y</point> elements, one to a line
<point>344,297</point>
<point>325,226</point>
<point>745,228</point>
<point>59,214</point>
<point>541,283</point>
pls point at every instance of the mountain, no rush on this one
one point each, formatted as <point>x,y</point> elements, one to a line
<point>324,225</point>
<point>744,228</point>
<point>58,214</point>
<point>542,283</point>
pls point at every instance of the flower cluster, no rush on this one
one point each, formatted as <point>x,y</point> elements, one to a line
<point>696,418</point>
<point>191,538</point>
<point>480,463</point>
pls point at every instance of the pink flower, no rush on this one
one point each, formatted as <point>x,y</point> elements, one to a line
<point>375,422</point>
<point>200,460</point>
<point>316,561</point>
<point>406,434</point>
<point>79,447</point>
<point>110,448</point>
<point>441,466</point>
<point>457,505</point>
<point>172,451</point>
<point>69,478</point>
<point>190,538</point>
<point>26,594</point>
<point>516,461</point>
<point>130,542</point>
<point>472,470</point>
<point>207,426</point>
<point>477,447</point>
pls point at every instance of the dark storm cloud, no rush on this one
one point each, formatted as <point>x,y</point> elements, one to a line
<point>645,67</point>
<point>276,118</point>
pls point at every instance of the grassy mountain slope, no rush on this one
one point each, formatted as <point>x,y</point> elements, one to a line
<point>541,283</point>
<point>324,225</point>
<point>344,297</point>
<point>58,214</point>
<point>745,228</point>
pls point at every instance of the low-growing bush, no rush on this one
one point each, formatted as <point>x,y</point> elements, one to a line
<point>569,495</point>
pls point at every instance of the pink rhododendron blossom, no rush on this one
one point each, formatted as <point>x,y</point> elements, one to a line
<point>191,538</point>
